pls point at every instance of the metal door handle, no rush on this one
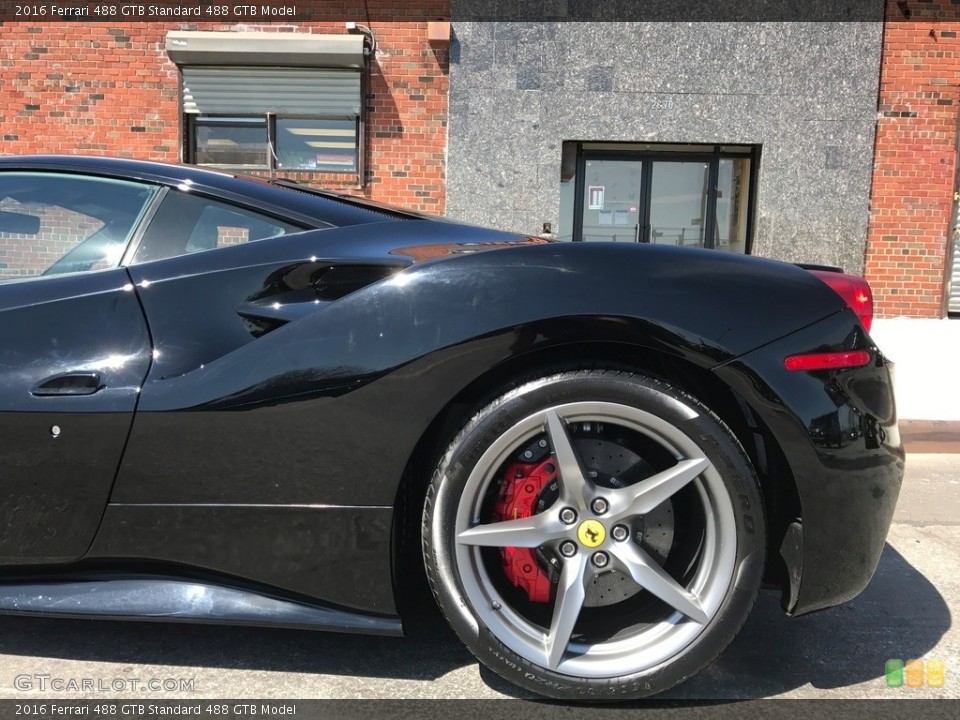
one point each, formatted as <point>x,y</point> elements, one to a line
<point>69,383</point>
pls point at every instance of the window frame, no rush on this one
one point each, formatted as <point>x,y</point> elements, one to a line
<point>649,153</point>
<point>150,215</point>
<point>188,134</point>
<point>193,120</point>
<point>274,155</point>
<point>137,227</point>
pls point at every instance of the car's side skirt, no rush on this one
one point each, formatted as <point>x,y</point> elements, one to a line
<point>184,600</point>
<point>332,555</point>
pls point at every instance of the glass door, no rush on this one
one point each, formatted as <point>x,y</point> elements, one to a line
<point>697,198</point>
<point>678,203</point>
<point>611,200</point>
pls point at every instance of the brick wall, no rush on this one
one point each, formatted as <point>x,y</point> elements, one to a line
<point>109,89</point>
<point>914,164</point>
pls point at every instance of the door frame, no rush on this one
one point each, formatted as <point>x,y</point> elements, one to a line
<point>647,157</point>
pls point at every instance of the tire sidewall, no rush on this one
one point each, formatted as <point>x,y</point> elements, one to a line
<point>658,398</point>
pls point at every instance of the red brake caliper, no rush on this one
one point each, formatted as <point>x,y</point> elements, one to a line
<point>517,498</point>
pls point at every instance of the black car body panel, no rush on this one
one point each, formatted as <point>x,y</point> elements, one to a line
<point>839,432</point>
<point>337,555</point>
<point>58,472</point>
<point>278,390</point>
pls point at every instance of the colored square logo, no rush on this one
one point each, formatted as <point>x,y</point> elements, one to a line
<point>914,672</point>
<point>894,672</point>
<point>935,673</point>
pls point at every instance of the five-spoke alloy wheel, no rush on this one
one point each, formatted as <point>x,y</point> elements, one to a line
<point>595,535</point>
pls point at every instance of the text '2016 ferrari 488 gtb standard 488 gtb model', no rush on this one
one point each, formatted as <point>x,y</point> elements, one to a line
<point>246,401</point>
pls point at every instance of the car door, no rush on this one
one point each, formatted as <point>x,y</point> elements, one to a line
<point>74,351</point>
<point>217,280</point>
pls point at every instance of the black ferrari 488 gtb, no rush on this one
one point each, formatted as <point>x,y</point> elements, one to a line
<point>235,400</point>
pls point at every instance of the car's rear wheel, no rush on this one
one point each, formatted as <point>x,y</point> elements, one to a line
<point>594,535</point>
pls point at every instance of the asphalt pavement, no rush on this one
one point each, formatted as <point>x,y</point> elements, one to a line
<point>905,613</point>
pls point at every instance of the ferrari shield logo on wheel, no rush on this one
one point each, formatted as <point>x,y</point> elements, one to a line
<point>591,533</point>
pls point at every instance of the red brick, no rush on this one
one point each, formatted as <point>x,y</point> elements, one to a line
<point>914,165</point>
<point>139,86</point>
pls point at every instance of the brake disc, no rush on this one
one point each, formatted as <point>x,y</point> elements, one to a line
<point>530,486</point>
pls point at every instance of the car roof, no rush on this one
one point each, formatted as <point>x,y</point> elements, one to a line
<point>301,202</point>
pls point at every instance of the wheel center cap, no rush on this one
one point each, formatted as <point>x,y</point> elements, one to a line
<point>591,533</point>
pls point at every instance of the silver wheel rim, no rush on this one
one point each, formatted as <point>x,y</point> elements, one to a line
<point>692,606</point>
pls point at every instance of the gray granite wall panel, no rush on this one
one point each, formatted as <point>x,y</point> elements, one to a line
<point>805,92</point>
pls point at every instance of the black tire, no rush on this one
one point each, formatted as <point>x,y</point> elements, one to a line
<point>469,585</point>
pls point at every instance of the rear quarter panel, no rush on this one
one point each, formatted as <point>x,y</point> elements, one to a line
<point>327,409</point>
<point>316,421</point>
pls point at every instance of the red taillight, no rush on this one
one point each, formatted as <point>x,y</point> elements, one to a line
<point>828,361</point>
<point>854,290</point>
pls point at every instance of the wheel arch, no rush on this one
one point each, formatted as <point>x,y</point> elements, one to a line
<point>781,498</point>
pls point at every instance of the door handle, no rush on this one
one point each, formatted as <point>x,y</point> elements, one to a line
<point>69,383</point>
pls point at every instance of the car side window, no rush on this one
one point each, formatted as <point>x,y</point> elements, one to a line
<point>187,223</point>
<point>55,223</point>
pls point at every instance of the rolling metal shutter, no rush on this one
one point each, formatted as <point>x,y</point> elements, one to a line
<point>256,90</point>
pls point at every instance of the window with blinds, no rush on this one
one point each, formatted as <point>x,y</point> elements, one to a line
<point>256,101</point>
<point>272,118</point>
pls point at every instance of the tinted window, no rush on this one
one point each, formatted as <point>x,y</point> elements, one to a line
<point>237,142</point>
<point>317,144</point>
<point>52,224</point>
<point>187,223</point>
